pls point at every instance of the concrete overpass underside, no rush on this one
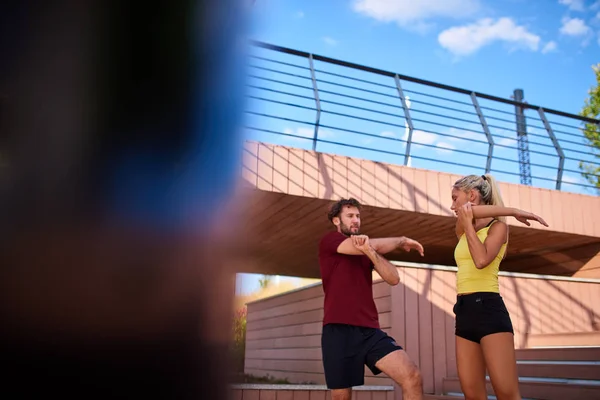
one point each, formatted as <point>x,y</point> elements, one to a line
<point>288,192</point>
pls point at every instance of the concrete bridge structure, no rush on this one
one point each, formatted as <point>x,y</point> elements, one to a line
<point>289,190</point>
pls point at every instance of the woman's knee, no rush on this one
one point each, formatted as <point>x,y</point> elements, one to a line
<point>474,395</point>
<point>507,393</point>
<point>341,394</point>
<point>474,392</point>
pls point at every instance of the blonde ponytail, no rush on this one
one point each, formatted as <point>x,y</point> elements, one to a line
<point>487,187</point>
<point>495,197</point>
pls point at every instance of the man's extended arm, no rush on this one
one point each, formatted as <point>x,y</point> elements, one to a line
<point>386,245</point>
<point>381,245</point>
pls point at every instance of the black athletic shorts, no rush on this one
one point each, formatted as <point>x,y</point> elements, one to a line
<point>347,349</point>
<point>481,314</point>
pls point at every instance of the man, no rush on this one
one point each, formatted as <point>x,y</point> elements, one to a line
<point>119,145</point>
<point>351,335</point>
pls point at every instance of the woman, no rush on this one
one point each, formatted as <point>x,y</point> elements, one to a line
<point>484,332</point>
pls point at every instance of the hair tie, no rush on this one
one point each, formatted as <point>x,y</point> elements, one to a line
<point>484,177</point>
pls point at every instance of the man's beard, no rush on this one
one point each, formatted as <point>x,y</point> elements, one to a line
<point>346,230</point>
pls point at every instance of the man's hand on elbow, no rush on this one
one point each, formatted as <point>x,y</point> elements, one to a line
<point>361,242</point>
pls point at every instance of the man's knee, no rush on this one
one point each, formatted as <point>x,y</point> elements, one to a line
<point>402,370</point>
<point>413,377</point>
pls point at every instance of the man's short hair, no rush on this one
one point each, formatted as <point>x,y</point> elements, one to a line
<point>336,208</point>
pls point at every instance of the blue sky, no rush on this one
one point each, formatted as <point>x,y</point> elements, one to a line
<point>544,47</point>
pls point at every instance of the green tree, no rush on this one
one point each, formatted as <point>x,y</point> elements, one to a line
<point>239,339</point>
<point>264,282</point>
<point>591,109</point>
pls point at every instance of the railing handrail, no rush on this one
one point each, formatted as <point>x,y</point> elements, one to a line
<point>420,81</point>
<point>448,268</point>
<point>424,117</point>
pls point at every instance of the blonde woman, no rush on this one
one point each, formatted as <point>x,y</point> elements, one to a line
<point>484,331</point>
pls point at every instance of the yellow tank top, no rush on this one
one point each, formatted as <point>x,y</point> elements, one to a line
<point>470,279</point>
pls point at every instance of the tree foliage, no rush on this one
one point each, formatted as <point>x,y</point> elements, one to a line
<point>591,109</point>
<point>264,282</point>
<point>239,339</point>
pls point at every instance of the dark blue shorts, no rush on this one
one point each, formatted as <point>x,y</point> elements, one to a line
<point>347,349</point>
<point>481,314</point>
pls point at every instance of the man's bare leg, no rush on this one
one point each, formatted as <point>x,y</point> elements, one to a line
<point>398,366</point>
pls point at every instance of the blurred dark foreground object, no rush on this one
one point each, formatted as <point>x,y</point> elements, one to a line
<point>118,156</point>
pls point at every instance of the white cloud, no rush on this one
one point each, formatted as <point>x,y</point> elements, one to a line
<point>574,5</point>
<point>461,135</point>
<point>506,137</point>
<point>574,27</point>
<point>303,132</point>
<point>467,39</point>
<point>506,141</point>
<point>387,135</point>
<point>307,133</point>
<point>572,179</point>
<point>549,47</point>
<point>330,41</point>
<point>443,147</point>
<point>412,13</point>
<point>421,137</point>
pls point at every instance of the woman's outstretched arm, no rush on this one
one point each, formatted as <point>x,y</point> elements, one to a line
<point>488,211</point>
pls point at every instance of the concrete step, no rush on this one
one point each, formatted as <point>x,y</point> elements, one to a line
<point>579,339</point>
<point>589,370</point>
<point>456,396</point>
<point>542,388</point>
<point>560,354</point>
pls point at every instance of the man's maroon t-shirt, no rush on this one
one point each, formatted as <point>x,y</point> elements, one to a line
<point>348,285</point>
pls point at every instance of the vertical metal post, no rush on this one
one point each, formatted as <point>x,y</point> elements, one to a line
<point>407,117</point>
<point>486,130</point>
<point>316,92</point>
<point>523,141</point>
<point>559,151</point>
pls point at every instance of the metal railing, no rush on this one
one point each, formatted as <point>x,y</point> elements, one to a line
<point>315,102</point>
